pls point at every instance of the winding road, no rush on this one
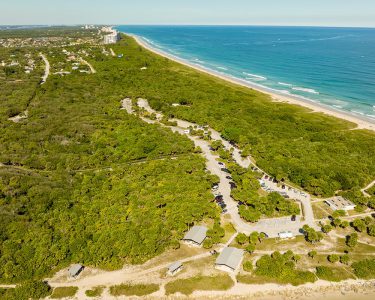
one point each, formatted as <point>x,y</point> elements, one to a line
<point>272,227</point>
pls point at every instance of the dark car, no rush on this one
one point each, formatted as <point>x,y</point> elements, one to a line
<point>294,218</point>
<point>221,164</point>
<point>240,203</point>
<point>232,185</point>
<point>225,170</point>
<point>228,177</point>
<point>219,197</point>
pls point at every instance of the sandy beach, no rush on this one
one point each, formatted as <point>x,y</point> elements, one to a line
<point>361,122</point>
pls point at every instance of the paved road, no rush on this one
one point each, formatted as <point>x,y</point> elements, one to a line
<point>47,68</point>
<point>270,227</point>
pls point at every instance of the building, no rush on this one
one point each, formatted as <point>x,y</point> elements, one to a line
<point>340,203</point>
<point>174,268</point>
<point>285,235</point>
<point>75,270</point>
<point>112,38</point>
<point>196,235</point>
<point>229,259</point>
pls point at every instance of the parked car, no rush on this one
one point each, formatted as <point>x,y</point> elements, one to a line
<point>219,197</point>
<point>225,170</point>
<point>221,164</point>
<point>232,185</point>
<point>294,218</point>
<point>224,211</point>
<point>228,177</point>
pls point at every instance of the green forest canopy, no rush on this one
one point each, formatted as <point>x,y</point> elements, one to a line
<point>88,183</point>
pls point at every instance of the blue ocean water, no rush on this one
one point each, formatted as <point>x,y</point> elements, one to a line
<point>333,66</point>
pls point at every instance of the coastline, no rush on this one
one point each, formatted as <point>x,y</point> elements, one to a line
<point>361,122</point>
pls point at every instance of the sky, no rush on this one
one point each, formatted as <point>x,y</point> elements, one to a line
<point>356,13</point>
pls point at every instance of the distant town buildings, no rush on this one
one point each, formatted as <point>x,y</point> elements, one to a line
<point>111,36</point>
<point>340,203</point>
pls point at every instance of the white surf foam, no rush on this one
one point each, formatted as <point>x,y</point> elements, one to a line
<point>306,90</point>
<point>255,76</point>
<point>285,84</point>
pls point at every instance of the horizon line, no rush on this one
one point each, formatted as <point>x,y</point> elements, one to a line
<point>187,24</point>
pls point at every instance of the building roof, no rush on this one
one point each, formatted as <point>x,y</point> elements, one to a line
<point>75,269</point>
<point>339,202</point>
<point>173,267</point>
<point>230,257</point>
<point>196,234</point>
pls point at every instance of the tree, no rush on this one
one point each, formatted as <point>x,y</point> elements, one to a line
<point>241,238</point>
<point>254,238</point>
<point>262,236</point>
<point>326,228</point>
<point>344,224</point>
<point>216,145</point>
<point>371,230</point>
<point>312,254</point>
<point>207,244</point>
<point>359,225</point>
<point>336,222</point>
<point>344,259</point>
<point>352,240</point>
<point>333,258</point>
<point>31,289</point>
<point>250,248</point>
<point>247,266</point>
<point>311,235</point>
<point>296,258</point>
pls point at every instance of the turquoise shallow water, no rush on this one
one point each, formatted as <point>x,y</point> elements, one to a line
<point>333,66</point>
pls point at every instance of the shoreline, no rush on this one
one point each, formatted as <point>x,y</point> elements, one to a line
<point>361,122</point>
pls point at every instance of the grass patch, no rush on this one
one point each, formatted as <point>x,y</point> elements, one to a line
<point>133,290</point>
<point>229,231</point>
<point>202,283</point>
<point>335,274</point>
<point>255,279</point>
<point>64,292</point>
<point>95,292</point>
<point>321,210</point>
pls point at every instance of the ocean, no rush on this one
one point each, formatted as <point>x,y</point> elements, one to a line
<point>331,66</point>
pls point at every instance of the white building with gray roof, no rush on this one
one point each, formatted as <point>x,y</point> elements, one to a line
<point>196,235</point>
<point>229,259</point>
<point>174,268</point>
<point>74,270</point>
<point>340,203</point>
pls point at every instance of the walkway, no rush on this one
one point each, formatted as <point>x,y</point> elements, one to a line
<point>366,188</point>
<point>46,69</point>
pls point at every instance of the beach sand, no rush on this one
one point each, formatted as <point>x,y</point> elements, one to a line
<point>361,122</point>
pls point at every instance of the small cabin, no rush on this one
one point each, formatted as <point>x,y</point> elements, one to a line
<point>75,270</point>
<point>174,268</point>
